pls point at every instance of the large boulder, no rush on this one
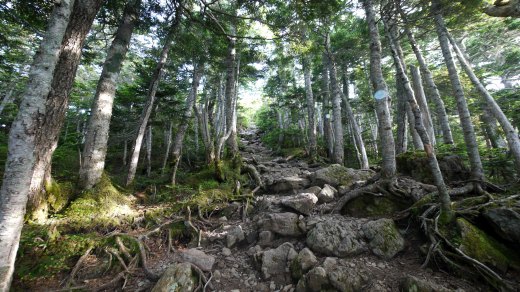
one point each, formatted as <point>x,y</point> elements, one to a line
<point>177,278</point>
<point>344,277</point>
<point>337,236</point>
<point>415,165</point>
<point>288,184</point>
<point>197,257</point>
<point>303,263</point>
<point>276,261</point>
<point>384,239</point>
<point>506,222</point>
<point>337,175</point>
<point>302,203</point>
<point>285,224</point>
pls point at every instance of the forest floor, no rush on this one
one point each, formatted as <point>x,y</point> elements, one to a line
<point>255,250</point>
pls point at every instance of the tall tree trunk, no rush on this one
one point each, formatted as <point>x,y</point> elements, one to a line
<point>339,151</point>
<point>57,100</point>
<point>149,151</point>
<point>356,131</point>
<point>231,78</point>
<point>95,148</point>
<point>313,148</point>
<point>433,92</point>
<point>491,129</point>
<point>423,104</point>
<point>401,144</point>
<point>186,118</point>
<point>8,97</point>
<point>21,158</point>
<point>511,134</point>
<point>147,110</point>
<point>388,169</point>
<point>168,142</point>
<point>327,127</point>
<point>416,139</point>
<point>444,197</point>
<point>125,152</point>
<point>470,139</point>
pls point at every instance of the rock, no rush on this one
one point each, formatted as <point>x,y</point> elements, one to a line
<point>303,263</point>
<point>285,224</point>
<point>234,235</point>
<point>275,261</point>
<point>343,277</point>
<point>222,219</point>
<point>384,239</point>
<point>178,278</point>
<point>336,175</point>
<point>265,238</point>
<point>336,236</point>
<point>415,165</point>
<point>302,203</point>
<point>316,279</point>
<point>314,190</point>
<point>226,251</point>
<point>411,283</point>
<point>217,276</point>
<point>484,248</point>
<point>287,184</point>
<point>506,223</point>
<point>197,257</point>
<point>327,194</point>
<point>369,205</point>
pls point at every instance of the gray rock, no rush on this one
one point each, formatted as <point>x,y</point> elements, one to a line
<point>303,263</point>
<point>314,190</point>
<point>506,222</point>
<point>275,261</point>
<point>336,236</point>
<point>285,224</point>
<point>336,175</point>
<point>411,283</point>
<point>287,184</point>
<point>384,239</point>
<point>178,278</point>
<point>316,279</point>
<point>226,251</point>
<point>302,203</point>
<point>345,278</point>
<point>234,235</point>
<point>197,257</point>
<point>327,194</point>
<point>265,238</point>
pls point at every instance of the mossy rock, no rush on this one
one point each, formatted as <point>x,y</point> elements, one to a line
<point>337,175</point>
<point>373,206</point>
<point>415,164</point>
<point>484,248</point>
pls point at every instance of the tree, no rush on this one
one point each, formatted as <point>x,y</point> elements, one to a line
<point>96,139</point>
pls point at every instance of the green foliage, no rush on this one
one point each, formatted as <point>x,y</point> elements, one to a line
<point>58,195</point>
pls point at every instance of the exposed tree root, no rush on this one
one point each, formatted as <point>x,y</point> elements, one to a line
<point>70,279</point>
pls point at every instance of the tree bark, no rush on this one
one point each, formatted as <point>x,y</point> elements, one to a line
<point>149,151</point>
<point>510,132</point>
<point>95,148</point>
<point>8,97</point>
<point>416,139</point>
<point>447,213</point>
<point>339,151</point>
<point>231,77</point>
<point>187,116</point>
<point>327,127</point>
<point>491,129</point>
<point>21,159</point>
<point>401,145</point>
<point>168,142</point>
<point>433,92</point>
<point>56,106</point>
<point>388,169</point>
<point>147,110</point>
<point>313,148</point>
<point>477,172</point>
<point>423,104</point>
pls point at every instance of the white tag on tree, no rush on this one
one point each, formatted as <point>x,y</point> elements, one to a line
<point>381,94</point>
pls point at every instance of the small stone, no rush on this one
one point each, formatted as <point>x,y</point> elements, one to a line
<point>272,286</point>
<point>226,251</point>
<point>222,219</point>
<point>217,275</point>
<point>197,257</point>
<point>265,238</point>
<point>314,190</point>
<point>327,194</point>
<point>234,236</point>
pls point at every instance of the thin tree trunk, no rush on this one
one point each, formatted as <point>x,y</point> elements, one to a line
<point>433,92</point>
<point>401,145</point>
<point>95,149</point>
<point>125,152</point>
<point>21,158</point>
<point>327,127</point>
<point>470,139</point>
<point>511,135</point>
<point>423,104</point>
<point>168,141</point>
<point>147,110</point>
<point>231,77</point>
<point>149,151</point>
<point>388,169</point>
<point>313,148</point>
<point>491,129</point>
<point>416,139</point>
<point>356,131</point>
<point>339,151</point>
<point>444,198</point>
<point>186,118</point>
<point>7,99</point>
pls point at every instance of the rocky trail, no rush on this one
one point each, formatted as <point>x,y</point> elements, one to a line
<point>290,241</point>
<point>305,230</point>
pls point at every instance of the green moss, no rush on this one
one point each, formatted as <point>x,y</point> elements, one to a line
<point>58,195</point>
<point>477,244</point>
<point>102,206</point>
<point>44,253</point>
<point>417,206</point>
<point>371,206</point>
<point>296,269</point>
